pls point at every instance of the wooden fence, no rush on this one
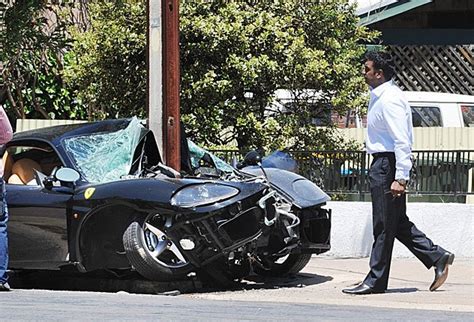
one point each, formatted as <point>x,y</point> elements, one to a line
<point>446,69</point>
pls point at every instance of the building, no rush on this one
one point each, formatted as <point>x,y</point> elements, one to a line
<point>432,41</point>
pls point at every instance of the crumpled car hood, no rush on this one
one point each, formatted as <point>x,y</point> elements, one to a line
<point>159,191</point>
<point>303,192</point>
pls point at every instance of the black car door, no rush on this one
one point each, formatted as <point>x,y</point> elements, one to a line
<point>37,228</point>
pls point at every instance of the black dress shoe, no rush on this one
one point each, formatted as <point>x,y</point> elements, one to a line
<point>361,289</point>
<point>4,287</point>
<point>441,270</point>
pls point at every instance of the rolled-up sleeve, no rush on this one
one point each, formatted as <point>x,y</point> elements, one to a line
<point>396,116</point>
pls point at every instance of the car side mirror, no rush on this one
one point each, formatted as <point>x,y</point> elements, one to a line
<point>67,175</point>
<point>251,158</point>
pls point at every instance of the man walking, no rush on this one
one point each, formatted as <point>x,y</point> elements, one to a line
<point>6,134</point>
<point>389,141</point>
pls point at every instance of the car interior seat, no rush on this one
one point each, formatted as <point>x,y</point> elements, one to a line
<point>7,163</point>
<point>23,172</point>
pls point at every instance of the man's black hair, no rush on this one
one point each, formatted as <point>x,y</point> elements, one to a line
<point>382,60</point>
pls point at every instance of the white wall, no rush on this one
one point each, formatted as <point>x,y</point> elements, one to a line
<point>449,225</point>
<point>427,138</point>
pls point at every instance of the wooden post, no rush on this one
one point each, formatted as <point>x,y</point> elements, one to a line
<point>171,77</point>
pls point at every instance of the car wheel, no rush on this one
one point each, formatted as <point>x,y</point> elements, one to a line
<point>290,264</point>
<point>152,253</point>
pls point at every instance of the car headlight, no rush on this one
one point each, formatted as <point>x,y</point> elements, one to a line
<point>202,194</point>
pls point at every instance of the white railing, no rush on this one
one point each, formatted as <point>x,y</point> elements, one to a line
<point>25,125</point>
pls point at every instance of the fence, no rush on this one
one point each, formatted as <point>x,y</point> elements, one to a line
<point>443,173</point>
<point>434,68</point>
<point>436,173</point>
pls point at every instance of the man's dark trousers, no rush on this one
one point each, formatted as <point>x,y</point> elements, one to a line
<point>389,222</point>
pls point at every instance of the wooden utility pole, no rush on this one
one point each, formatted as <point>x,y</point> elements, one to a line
<point>164,78</point>
<point>171,77</point>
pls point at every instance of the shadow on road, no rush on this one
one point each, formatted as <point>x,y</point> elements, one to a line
<point>402,290</point>
<point>257,282</point>
<point>99,282</point>
<point>298,280</point>
<point>133,283</point>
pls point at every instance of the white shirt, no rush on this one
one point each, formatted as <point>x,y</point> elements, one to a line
<point>389,126</point>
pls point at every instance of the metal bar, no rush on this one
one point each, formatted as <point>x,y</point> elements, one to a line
<point>155,72</point>
<point>457,173</point>
<point>362,176</point>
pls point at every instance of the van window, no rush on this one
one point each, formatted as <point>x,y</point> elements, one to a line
<point>426,116</point>
<point>468,115</point>
<point>321,113</point>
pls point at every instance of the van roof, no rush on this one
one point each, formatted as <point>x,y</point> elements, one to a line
<point>286,94</point>
<point>438,97</point>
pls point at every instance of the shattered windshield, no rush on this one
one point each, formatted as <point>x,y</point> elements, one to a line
<point>105,157</point>
<point>196,154</point>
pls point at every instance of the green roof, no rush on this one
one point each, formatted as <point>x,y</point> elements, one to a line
<point>389,11</point>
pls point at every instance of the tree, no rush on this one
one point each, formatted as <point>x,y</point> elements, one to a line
<point>234,56</point>
<point>234,50</point>
<point>107,63</point>
<point>33,42</point>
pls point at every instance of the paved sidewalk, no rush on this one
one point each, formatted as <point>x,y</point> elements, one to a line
<point>324,277</point>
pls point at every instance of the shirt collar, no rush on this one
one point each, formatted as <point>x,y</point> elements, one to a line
<point>381,88</point>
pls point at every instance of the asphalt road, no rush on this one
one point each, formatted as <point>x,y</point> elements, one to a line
<point>313,295</point>
<point>47,305</point>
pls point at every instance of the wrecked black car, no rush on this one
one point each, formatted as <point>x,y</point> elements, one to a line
<point>96,196</point>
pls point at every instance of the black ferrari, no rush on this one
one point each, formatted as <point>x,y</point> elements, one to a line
<point>96,196</point>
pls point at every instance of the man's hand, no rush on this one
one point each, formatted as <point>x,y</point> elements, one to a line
<point>397,189</point>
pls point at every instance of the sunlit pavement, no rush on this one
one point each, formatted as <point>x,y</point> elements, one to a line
<point>324,278</point>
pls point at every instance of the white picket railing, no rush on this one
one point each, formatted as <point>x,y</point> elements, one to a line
<point>25,125</point>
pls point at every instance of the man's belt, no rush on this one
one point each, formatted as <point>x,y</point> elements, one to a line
<point>383,154</point>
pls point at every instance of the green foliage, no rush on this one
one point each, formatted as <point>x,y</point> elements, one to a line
<point>234,56</point>
<point>107,63</point>
<point>232,48</point>
<point>32,83</point>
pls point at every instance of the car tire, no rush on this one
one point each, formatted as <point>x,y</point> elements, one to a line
<point>140,256</point>
<point>291,265</point>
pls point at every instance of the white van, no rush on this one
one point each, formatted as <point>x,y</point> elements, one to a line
<point>287,102</point>
<point>432,109</point>
<point>429,109</point>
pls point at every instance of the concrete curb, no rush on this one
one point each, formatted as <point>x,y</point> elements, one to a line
<point>449,225</point>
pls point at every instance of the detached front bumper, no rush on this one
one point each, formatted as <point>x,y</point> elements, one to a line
<point>315,230</point>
